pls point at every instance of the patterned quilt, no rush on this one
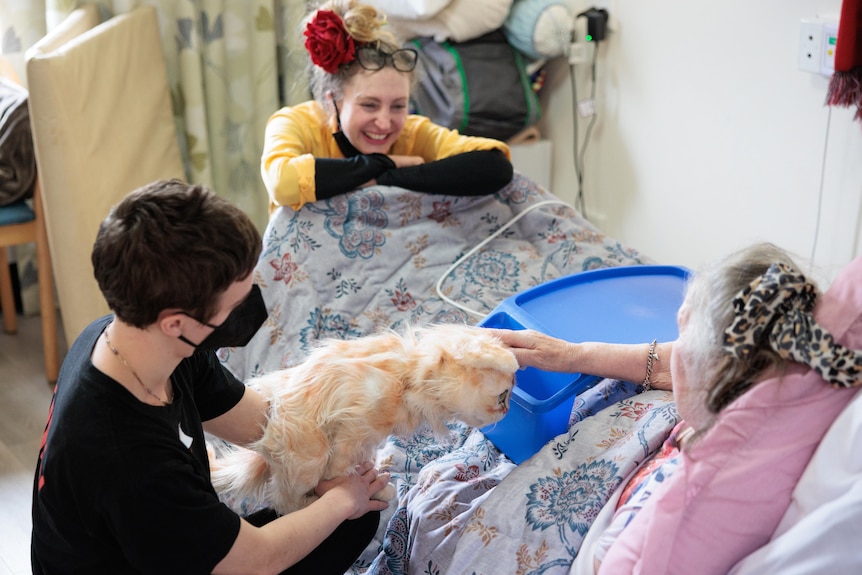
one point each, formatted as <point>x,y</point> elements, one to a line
<point>464,508</point>
<point>381,257</point>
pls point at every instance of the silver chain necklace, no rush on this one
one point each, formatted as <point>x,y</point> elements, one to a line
<point>129,367</point>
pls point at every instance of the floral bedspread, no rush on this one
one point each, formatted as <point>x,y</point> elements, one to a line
<point>466,509</point>
<point>371,259</point>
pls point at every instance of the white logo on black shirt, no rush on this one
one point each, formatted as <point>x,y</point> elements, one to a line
<point>187,441</point>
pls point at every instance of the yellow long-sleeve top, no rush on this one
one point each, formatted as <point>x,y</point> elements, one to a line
<point>296,136</point>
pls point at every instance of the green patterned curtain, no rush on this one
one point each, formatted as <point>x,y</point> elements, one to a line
<point>231,64</point>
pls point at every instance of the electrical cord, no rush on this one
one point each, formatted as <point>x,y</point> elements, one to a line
<point>820,190</point>
<point>579,169</point>
<point>578,156</point>
<point>439,286</point>
<point>579,198</point>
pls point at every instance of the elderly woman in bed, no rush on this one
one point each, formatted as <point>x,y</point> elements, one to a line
<point>748,338</point>
<point>357,130</point>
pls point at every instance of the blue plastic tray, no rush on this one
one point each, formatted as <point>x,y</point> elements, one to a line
<point>629,304</point>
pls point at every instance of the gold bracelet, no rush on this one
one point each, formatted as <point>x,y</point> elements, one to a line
<point>647,384</point>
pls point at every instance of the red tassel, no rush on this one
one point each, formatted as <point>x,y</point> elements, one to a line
<point>845,87</point>
<point>845,90</point>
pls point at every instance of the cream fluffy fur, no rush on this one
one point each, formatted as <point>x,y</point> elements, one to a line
<point>331,412</point>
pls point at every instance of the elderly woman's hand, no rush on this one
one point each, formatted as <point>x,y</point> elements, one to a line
<point>536,349</point>
<point>627,362</point>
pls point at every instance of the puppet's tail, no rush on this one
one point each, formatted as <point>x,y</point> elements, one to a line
<point>240,477</point>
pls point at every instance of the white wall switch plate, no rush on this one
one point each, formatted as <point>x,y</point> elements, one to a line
<point>810,46</point>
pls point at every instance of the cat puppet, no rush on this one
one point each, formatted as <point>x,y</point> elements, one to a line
<point>332,412</point>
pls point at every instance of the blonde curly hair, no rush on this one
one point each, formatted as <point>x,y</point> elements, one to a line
<point>365,24</point>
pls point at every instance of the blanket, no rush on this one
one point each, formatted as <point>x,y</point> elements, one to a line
<point>466,509</point>
<point>382,257</point>
<point>371,259</point>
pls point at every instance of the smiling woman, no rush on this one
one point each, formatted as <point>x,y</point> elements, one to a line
<point>357,131</point>
<point>374,109</point>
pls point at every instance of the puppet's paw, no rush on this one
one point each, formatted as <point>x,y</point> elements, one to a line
<point>388,493</point>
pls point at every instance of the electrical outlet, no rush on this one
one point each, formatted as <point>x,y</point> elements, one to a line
<point>810,46</point>
<point>817,41</point>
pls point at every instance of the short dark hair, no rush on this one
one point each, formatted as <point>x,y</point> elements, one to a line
<point>169,245</point>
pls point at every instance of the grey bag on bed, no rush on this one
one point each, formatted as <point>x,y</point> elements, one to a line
<point>479,87</point>
<point>17,159</point>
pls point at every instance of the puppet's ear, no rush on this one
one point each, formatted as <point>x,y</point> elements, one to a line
<point>490,354</point>
<point>473,347</point>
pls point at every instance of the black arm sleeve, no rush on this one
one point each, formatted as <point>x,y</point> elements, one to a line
<point>333,177</point>
<point>475,173</point>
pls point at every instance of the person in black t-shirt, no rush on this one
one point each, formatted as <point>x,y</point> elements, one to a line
<point>122,482</point>
<point>357,131</point>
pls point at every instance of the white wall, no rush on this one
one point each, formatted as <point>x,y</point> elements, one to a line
<point>709,137</point>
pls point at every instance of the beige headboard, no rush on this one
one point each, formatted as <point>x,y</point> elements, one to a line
<point>103,125</point>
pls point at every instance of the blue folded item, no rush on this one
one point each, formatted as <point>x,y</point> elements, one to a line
<point>18,213</point>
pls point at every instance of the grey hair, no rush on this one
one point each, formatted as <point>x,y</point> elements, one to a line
<point>709,296</point>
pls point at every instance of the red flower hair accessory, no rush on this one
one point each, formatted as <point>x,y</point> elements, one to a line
<point>328,42</point>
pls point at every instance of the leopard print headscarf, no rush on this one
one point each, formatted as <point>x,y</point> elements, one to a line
<point>776,310</point>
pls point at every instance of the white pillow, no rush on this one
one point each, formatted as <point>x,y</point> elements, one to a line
<point>409,9</point>
<point>539,28</point>
<point>459,21</point>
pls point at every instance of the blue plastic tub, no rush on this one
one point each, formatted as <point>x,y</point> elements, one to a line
<point>629,304</point>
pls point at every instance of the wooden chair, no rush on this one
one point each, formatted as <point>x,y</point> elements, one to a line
<point>19,224</point>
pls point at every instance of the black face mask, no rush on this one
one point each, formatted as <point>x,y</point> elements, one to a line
<point>239,327</point>
<point>346,147</point>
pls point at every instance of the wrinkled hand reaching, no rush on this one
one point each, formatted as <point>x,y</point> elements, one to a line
<point>536,349</point>
<point>613,360</point>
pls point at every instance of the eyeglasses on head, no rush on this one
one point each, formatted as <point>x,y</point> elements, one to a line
<point>371,58</point>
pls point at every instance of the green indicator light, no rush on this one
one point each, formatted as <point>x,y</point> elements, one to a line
<point>589,38</point>
<point>832,40</point>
